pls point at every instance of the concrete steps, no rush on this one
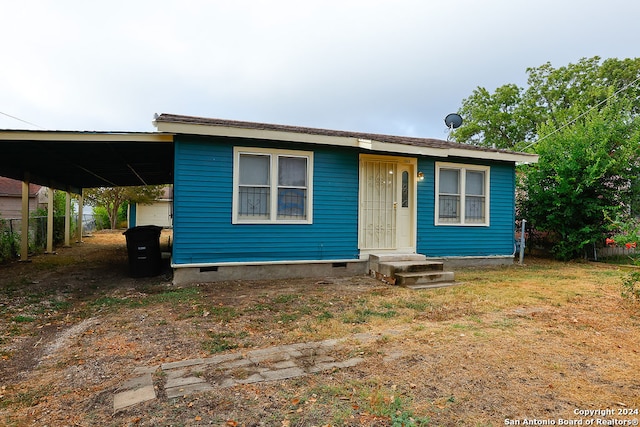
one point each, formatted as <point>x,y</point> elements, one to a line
<point>425,280</point>
<point>412,271</point>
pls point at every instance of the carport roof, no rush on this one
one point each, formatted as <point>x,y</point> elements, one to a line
<point>70,161</point>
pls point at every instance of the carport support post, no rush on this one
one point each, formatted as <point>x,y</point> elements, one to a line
<point>24,223</point>
<point>50,221</point>
<point>67,219</point>
<point>80,206</point>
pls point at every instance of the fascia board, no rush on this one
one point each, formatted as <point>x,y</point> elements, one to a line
<point>84,136</point>
<point>365,144</point>
<point>369,145</point>
<point>488,155</point>
<point>234,132</point>
<point>409,149</point>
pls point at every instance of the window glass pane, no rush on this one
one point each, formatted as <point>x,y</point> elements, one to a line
<point>292,171</point>
<point>254,169</point>
<point>405,189</point>
<point>449,209</point>
<point>254,202</point>
<point>292,203</point>
<point>475,183</point>
<point>449,181</point>
<point>474,209</point>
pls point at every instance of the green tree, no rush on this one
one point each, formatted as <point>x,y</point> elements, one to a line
<point>582,121</point>
<point>9,242</point>
<point>497,119</point>
<point>511,116</point>
<point>113,198</point>
<point>587,173</point>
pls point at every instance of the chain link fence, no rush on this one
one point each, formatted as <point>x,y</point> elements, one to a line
<point>11,230</point>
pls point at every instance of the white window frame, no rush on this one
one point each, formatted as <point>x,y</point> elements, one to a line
<point>274,155</point>
<point>463,168</point>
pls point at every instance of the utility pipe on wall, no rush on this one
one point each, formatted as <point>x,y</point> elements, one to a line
<point>524,221</point>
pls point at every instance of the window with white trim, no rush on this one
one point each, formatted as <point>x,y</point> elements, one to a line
<point>272,186</point>
<point>462,194</point>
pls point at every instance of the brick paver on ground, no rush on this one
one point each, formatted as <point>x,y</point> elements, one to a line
<point>186,377</point>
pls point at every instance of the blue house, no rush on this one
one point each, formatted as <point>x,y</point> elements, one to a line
<point>254,200</point>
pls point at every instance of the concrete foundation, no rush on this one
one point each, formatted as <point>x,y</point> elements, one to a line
<point>451,263</point>
<point>282,270</point>
<point>185,275</point>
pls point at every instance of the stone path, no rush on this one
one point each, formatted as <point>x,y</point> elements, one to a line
<point>226,370</point>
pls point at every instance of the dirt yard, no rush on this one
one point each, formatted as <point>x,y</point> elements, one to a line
<point>543,344</point>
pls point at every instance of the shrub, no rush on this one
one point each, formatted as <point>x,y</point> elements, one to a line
<point>8,242</point>
<point>630,287</point>
<point>586,174</point>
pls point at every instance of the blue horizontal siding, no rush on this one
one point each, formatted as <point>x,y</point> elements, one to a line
<point>203,227</point>
<point>204,233</point>
<point>495,239</point>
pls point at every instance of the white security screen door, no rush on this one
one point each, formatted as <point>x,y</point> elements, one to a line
<point>377,197</point>
<point>386,204</point>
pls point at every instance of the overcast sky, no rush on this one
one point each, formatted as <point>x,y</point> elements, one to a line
<point>393,67</point>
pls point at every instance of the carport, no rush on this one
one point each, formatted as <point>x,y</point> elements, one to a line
<point>72,161</point>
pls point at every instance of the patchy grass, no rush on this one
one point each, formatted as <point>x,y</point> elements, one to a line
<point>22,319</point>
<point>536,341</point>
<point>169,296</point>
<point>218,342</point>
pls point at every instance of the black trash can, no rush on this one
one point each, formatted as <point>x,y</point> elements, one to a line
<point>143,247</point>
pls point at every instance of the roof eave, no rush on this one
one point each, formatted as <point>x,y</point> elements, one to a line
<point>507,156</point>
<point>27,135</point>
<point>340,141</point>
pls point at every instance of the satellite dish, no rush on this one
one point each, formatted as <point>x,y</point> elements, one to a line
<point>453,121</point>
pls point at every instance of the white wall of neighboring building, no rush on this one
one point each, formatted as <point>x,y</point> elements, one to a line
<point>157,213</point>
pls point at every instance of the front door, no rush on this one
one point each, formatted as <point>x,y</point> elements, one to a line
<point>404,208</point>
<point>387,204</point>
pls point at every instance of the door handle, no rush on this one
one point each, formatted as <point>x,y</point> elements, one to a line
<point>395,205</point>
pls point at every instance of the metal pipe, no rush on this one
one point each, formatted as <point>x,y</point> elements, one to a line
<point>524,221</point>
